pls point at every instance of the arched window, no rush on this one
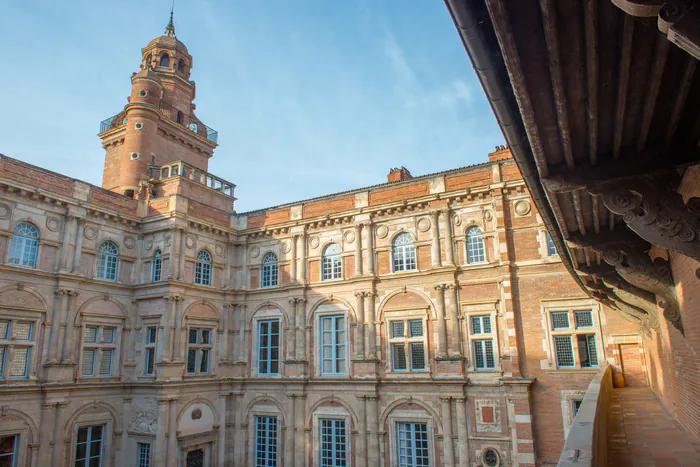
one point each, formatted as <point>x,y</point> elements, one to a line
<point>165,60</point>
<point>180,66</point>
<point>475,246</point>
<point>25,245</point>
<point>332,267</point>
<point>403,252</point>
<point>157,266</point>
<point>269,270</point>
<point>108,263</point>
<point>202,275</point>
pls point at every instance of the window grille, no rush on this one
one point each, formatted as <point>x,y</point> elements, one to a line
<point>407,342</point>
<point>481,324</point>
<point>269,270</point>
<point>24,248</point>
<point>98,350</point>
<point>403,252</point>
<point>144,455</point>
<point>413,448</point>
<point>333,345</point>
<point>583,318</point>
<point>265,441</point>
<point>203,272</point>
<point>157,266</point>
<point>198,351</point>
<point>588,355</point>
<point>151,339</point>
<point>333,443</point>
<point>574,347</point>
<point>560,320</point>
<point>564,351</point>
<point>108,262</point>
<point>476,253</point>
<point>483,354</point>
<point>268,347</point>
<point>332,264</point>
<point>89,446</point>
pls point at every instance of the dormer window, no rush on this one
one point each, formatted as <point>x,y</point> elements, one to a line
<point>165,60</point>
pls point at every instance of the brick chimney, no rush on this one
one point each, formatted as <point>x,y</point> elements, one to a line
<point>399,175</point>
<point>501,153</point>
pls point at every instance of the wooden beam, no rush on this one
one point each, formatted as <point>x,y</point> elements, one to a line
<point>622,236</point>
<point>625,60</point>
<point>591,25</point>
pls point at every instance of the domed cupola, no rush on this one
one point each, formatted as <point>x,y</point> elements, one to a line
<point>166,54</point>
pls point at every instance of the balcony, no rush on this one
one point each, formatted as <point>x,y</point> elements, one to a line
<point>183,169</point>
<point>171,113</point>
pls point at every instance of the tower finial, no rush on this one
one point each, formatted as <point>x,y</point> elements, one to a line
<point>170,28</point>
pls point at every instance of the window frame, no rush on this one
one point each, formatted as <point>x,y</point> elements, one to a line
<point>469,240</point>
<point>258,323</point>
<point>335,318</point>
<point>481,310</point>
<point>199,350</point>
<point>409,253</point>
<point>549,245</point>
<point>9,343</point>
<point>150,348</point>
<point>139,459</point>
<point>268,450</point>
<point>410,416</point>
<point>88,443</point>
<point>97,347</point>
<point>331,264</point>
<point>15,448</point>
<point>333,413</point>
<point>27,246</point>
<point>406,341</point>
<point>204,268</point>
<point>157,267</point>
<point>326,311</point>
<point>102,264</point>
<point>271,269</point>
<point>480,338</point>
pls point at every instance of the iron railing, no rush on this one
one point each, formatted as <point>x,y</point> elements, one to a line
<point>172,114</point>
<point>183,169</point>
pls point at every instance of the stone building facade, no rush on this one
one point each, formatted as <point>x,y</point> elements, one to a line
<point>423,321</point>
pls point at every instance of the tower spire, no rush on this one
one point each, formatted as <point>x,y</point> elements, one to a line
<point>170,28</point>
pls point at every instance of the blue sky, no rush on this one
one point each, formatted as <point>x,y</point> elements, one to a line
<point>310,97</point>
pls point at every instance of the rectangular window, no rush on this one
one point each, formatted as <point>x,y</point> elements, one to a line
<point>265,441</point>
<point>407,342</point>
<point>144,455</point>
<point>564,351</point>
<point>583,318</point>
<point>16,344</point>
<point>574,346</point>
<point>575,406</point>
<point>98,350</point>
<point>481,324</point>
<point>333,443</point>
<point>151,339</point>
<point>412,445</point>
<point>551,249</point>
<point>268,347</point>
<point>560,320</point>
<point>483,355</point>
<point>333,345</point>
<point>587,350</point>
<point>89,446</point>
<point>8,450</point>
<point>198,351</point>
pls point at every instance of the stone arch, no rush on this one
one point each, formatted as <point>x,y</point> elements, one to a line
<point>107,298</point>
<point>266,398</point>
<point>399,232</point>
<point>331,241</point>
<point>332,398</point>
<point>266,252</point>
<point>201,309</point>
<point>268,303</point>
<point>331,298</point>
<point>428,302</point>
<point>41,228</point>
<point>197,400</point>
<point>17,296</point>
<point>93,406</point>
<point>109,238</point>
<point>410,400</point>
<point>33,430</point>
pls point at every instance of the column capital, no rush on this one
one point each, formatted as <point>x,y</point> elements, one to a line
<point>445,399</point>
<point>445,211</point>
<point>440,287</point>
<point>370,294</point>
<point>452,286</point>
<point>434,213</point>
<point>360,295</point>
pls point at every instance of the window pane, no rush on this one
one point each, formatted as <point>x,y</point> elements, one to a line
<point>4,327</point>
<point>150,361</point>
<point>417,356</point>
<point>560,320</point>
<point>2,362</point>
<point>265,441</point>
<point>551,249</point>
<point>23,331</point>
<point>193,334</point>
<point>486,321</point>
<point>397,329</point>
<point>204,366</point>
<point>587,350</point>
<point>191,360</point>
<point>415,328</point>
<point>88,362</point>
<point>564,351</point>
<point>479,355</point>
<point>152,333</point>
<point>206,336</point>
<point>488,353</point>
<point>108,335</point>
<point>476,325</point>
<point>144,455</point>
<point>90,334</point>
<point>106,362</point>
<point>399,356</point>
<point>19,364</point>
<point>583,319</point>
<point>475,246</point>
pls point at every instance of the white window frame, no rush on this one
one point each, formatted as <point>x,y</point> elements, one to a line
<point>199,348</point>
<point>570,306</point>
<point>480,338</point>
<point>264,315</point>
<point>103,262</point>
<point>269,272</point>
<point>479,309</point>
<point>482,246</point>
<point>331,264</point>
<point>408,260</point>
<point>406,340</point>
<point>335,413</point>
<point>10,342</point>
<point>24,248</point>
<point>150,347</point>
<point>204,268</point>
<point>322,312</point>
<point>98,347</point>
<point>409,416</point>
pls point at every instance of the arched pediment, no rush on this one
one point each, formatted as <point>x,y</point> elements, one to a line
<point>202,310</point>
<point>21,298</point>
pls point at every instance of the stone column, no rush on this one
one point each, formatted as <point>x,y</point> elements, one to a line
<point>237,420</point>
<point>57,440</point>
<point>34,454</point>
<point>79,223</point>
<point>362,432</point>
<point>176,327</point>
<point>64,258</point>
<point>123,447</point>
<point>161,431</point>
<point>447,430</point>
<point>137,272</point>
<point>242,332</point>
<point>462,431</point>
<point>300,449</point>
<point>358,249</point>
<point>372,321</point>
<point>289,431</point>
<point>293,258</point>
<point>435,254</point>
<point>302,259</point>
<point>48,413</point>
<point>221,443</point>
<point>454,347</point>
<point>360,330</point>
<point>171,453</point>
<point>373,441</point>
<point>173,253</point>
<point>440,311</point>
<point>68,344</point>
<point>291,335</point>
<point>228,264</point>
<point>369,229</point>
<point>446,215</point>
<point>181,254</point>
<point>382,449</point>
<point>56,320</point>
<point>224,354</point>
<point>301,330</point>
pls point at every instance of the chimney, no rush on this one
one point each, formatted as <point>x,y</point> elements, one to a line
<point>501,153</point>
<point>399,175</point>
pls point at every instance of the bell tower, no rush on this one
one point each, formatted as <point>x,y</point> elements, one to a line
<point>158,125</point>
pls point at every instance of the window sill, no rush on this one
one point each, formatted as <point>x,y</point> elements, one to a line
<point>202,376</point>
<point>584,371</point>
<point>98,379</point>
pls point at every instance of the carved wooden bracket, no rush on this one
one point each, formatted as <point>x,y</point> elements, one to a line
<point>658,216</point>
<point>628,307</point>
<point>638,269</point>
